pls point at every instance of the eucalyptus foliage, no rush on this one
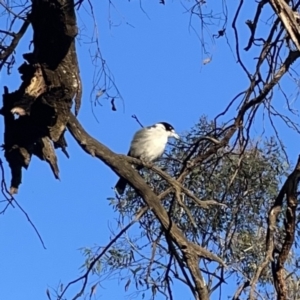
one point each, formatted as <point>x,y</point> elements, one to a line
<point>244,183</point>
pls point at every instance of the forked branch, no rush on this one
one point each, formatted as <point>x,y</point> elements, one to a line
<point>119,164</point>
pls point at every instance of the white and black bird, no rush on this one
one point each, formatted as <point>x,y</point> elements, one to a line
<point>148,144</point>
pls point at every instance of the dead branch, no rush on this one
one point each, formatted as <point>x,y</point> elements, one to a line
<point>50,82</point>
<point>7,51</point>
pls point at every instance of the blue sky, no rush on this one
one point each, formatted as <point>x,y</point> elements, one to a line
<point>157,66</point>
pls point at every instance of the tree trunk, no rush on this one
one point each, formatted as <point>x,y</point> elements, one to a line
<point>50,82</point>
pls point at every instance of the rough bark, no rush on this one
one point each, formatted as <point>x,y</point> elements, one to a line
<point>50,82</point>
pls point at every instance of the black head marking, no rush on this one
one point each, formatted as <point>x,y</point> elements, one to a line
<point>168,126</point>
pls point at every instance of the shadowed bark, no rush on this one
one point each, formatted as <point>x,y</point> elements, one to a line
<point>50,82</point>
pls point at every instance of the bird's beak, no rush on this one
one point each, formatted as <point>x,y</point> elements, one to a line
<point>175,135</point>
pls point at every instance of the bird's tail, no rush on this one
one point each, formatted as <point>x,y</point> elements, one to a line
<point>120,186</point>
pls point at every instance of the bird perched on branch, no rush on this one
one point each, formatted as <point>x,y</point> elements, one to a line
<point>148,144</point>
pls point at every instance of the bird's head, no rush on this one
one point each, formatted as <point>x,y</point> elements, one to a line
<point>169,129</point>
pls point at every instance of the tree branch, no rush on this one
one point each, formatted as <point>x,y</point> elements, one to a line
<point>288,19</point>
<point>122,167</point>
<point>289,190</point>
<point>4,55</point>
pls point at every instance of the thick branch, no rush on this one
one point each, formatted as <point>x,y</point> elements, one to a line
<point>289,190</point>
<point>290,227</point>
<point>50,82</point>
<point>122,167</point>
<point>288,18</point>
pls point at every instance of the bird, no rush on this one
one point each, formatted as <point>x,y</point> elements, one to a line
<point>148,144</point>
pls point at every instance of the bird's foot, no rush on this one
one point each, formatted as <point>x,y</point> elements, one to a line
<point>147,163</point>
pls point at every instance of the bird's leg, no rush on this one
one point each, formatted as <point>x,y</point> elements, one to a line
<point>146,162</point>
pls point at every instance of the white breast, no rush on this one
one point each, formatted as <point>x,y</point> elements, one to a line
<point>149,143</point>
